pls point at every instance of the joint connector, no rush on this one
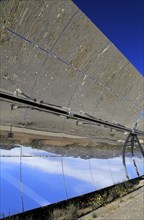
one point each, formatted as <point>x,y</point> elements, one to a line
<point>70,114</point>
<point>18,91</point>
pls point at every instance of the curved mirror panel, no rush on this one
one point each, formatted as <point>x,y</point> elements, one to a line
<point>71,107</point>
<point>77,177</point>
<point>10,185</point>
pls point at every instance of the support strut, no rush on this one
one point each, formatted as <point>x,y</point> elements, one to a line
<point>131,141</point>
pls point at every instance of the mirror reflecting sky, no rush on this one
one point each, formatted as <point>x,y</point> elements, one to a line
<point>32,178</point>
<point>52,54</point>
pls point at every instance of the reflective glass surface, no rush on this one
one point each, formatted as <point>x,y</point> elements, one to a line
<point>51,53</point>
<point>39,177</point>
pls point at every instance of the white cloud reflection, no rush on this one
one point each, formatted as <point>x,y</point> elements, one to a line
<point>104,171</point>
<point>29,192</point>
<point>101,172</point>
<point>80,176</point>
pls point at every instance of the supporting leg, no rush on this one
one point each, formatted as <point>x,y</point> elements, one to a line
<point>131,140</point>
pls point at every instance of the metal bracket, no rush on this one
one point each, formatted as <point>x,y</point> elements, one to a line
<point>131,141</point>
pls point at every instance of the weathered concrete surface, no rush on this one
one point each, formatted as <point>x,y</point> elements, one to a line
<point>53,52</point>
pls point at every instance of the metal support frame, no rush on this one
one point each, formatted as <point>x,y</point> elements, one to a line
<point>82,117</point>
<point>62,111</point>
<point>131,141</point>
<point>10,133</point>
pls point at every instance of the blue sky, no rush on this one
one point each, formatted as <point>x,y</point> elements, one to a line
<point>122,22</point>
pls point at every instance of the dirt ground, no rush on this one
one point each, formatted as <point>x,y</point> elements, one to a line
<point>51,138</point>
<point>129,207</point>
